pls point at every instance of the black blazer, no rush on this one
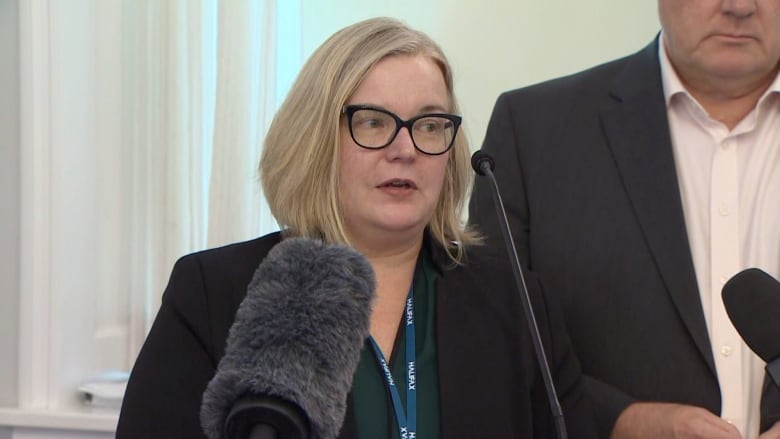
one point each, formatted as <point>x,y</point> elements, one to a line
<point>587,172</point>
<point>490,385</point>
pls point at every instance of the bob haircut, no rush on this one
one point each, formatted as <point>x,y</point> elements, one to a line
<point>299,165</point>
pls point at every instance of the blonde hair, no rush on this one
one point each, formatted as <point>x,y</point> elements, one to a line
<point>299,164</point>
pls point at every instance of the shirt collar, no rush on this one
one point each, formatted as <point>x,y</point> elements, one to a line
<point>773,89</point>
<point>672,84</point>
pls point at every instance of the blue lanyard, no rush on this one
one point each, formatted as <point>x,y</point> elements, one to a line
<point>407,423</point>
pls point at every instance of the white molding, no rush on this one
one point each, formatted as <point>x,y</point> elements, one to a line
<point>56,420</point>
<point>35,248</point>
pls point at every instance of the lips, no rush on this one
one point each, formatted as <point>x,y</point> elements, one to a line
<point>734,35</point>
<point>398,183</point>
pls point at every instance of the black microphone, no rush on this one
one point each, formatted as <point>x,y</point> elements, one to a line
<point>484,165</point>
<point>294,345</point>
<point>752,301</point>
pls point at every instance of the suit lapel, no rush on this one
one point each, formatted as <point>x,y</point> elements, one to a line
<point>638,135</point>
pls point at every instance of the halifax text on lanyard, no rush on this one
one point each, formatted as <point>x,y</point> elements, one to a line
<point>407,423</point>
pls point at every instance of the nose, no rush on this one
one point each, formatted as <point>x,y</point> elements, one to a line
<point>402,147</point>
<point>738,8</point>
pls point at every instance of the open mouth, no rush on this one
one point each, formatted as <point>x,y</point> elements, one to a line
<point>398,184</point>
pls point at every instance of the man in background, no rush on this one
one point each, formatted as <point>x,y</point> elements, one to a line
<point>636,189</point>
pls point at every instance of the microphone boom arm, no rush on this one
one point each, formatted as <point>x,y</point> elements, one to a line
<point>485,165</point>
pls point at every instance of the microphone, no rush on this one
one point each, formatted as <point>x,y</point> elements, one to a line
<point>294,345</point>
<point>752,301</point>
<point>484,165</point>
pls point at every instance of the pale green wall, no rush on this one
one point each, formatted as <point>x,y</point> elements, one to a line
<point>9,198</point>
<point>496,45</point>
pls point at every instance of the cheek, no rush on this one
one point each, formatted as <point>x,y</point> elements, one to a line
<point>436,174</point>
<point>774,37</point>
<point>352,169</point>
<point>348,157</point>
<point>684,23</point>
<point>355,173</point>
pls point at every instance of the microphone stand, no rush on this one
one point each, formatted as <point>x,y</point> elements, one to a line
<point>266,417</point>
<point>484,165</point>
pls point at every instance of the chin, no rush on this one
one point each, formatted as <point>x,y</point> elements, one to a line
<point>391,224</point>
<point>733,65</point>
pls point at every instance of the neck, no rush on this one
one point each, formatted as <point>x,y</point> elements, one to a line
<point>394,270</point>
<point>729,101</point>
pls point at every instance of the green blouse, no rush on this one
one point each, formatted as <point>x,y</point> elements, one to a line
<point>374,415</point>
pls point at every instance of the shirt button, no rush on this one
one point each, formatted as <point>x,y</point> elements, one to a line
<point>723,210</point>
<point>725,350</point>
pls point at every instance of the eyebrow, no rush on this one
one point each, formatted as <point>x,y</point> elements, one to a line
<point>431,108</point>
<point>434,109</point>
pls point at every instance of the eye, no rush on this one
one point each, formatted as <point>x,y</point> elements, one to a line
<point>432,124</point>
<point>371,120</point>
<point>372,123</point>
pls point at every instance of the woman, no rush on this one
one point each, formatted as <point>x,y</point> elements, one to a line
<point>365,152</point>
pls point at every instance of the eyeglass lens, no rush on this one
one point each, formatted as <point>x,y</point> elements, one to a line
<point>372,128</point>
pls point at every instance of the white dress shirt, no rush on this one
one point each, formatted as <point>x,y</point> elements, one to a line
<point>730,189</point>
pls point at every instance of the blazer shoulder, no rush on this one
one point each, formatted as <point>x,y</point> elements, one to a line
<point>206,287</point>
<point>227,270</point>
<point>487,274</point>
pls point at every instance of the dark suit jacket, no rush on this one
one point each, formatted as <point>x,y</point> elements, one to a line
<point>490,386</point>
<point>587,172</point>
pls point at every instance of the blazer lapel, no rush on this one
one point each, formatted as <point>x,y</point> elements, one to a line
<point>638,135</point>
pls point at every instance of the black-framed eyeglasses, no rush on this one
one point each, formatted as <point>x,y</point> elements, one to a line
<point>375,128</point>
